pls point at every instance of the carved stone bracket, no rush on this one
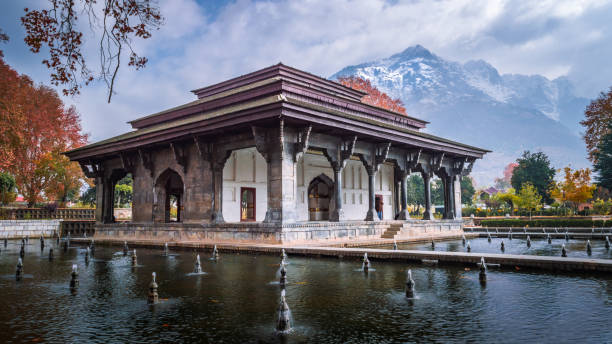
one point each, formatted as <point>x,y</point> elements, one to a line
<point>467,170</point>
<point>180,155</point>
<point>436,162</point>
<point>91,169</point>
<point>303,137</point>
<point>381,154</point>
<point>146,158</point>
<point>259,136</point>
<point>458,165</point>
<point>128,161</point>
<point>412,158</point>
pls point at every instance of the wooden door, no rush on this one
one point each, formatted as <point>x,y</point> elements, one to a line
<point>247,204</point>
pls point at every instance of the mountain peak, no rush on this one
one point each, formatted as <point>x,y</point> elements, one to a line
<point>416,51</point>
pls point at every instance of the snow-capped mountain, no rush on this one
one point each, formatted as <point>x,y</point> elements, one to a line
<point>474,104</point>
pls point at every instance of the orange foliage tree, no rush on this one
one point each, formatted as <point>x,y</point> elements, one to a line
<point>575,188</point>
<point>374,95</point>
<point>34,128</point>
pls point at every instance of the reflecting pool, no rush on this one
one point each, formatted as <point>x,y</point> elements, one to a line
<point>236,297</point>
<point>539,247</point>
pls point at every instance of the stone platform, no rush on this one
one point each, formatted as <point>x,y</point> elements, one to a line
<point>269,233</point>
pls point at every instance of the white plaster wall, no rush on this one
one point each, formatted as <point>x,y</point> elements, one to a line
<point>354,187</point>
<point>247,168</point>
<point>244,168</point>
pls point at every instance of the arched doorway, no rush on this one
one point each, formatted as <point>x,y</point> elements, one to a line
<point>320,191</point>
<point>170,188</point>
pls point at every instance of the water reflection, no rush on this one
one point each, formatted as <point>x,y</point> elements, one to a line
<point>329,301</point>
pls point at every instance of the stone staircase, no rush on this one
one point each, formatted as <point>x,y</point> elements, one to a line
<point>392,231</point>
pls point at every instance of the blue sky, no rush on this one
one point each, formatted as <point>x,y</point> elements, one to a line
<point>204,42</point>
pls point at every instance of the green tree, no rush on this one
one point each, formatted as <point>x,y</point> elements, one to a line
<point>510,198</point>
<point>7,188</point>
<point>123,195</point>
<point>467,190</point>
<point>416,193</point>
<point>603,160</point>
<point>529,198</point>
<point>89,196</point>
<point>534,168</point>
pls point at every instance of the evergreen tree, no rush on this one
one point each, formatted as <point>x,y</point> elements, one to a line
<point>603,164</point>
<point>534,168</point>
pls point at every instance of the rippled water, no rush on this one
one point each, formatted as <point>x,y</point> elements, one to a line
<point>331,302</point>
<point>539,247</point>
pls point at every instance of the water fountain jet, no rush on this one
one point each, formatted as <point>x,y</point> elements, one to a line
<point>365,266</point>
<point>502,246</point>
<point>92,247</point>
<point>409,285</point>
<point>19,270</point>
<point>283,275</point>
<point>215,253</point>
<point>74,280</point>
<point>463,239</point>
<point>153,297</point>
<point>528,241</point>
<point>549,239</point>
<point>588,247</point>
<point>134,258</point>
<point>283,324</point>
<point>125,248</point>
<point>563,251</point>
<point>165,249</point>
<point>22,250</point>
<point>394,245</point>
<point>607,243</point>
<point>433,244</point>
<point>197,269</point>
<point>42,243</point>
<point>468,248</point>
<point>482,276</point>
<point>489,237</point>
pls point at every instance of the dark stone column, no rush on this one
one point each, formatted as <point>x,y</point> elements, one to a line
<point>108,200</point>
<point>338,214</point>
<point>371,214</point>
<point>217,180</point>
<point>404,215</point>
<point>448,198</point>
<point>427,215</point>
<point>99,199</point>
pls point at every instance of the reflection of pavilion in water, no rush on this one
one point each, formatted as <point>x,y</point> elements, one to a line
<point>269,156</point>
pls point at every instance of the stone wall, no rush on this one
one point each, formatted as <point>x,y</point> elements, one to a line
<point>31,228</point>
<point>275,234</point>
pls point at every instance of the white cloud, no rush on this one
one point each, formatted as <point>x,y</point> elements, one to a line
<point>195,49</point>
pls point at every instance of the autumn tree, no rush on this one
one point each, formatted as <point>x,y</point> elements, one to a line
<point>598,116</point>
<point>34,127</point>
<point>503,183</point>
<point>66,177</point>
<point>58,32</point>
<point>534,168</point>
<point>575,188</point>
<point>374,95</point>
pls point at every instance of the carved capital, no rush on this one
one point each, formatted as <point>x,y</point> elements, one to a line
<point>146,158</point>
<point>128,161</point>
<point>303,137</point>
<point>92,169</point>
<point>180,155</point>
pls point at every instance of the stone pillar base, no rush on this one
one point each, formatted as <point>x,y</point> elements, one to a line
<point>403,215</point>
<point>217,217</point>
<point>428,215</point>
<point>336,215</point>
<point>372,216</point>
